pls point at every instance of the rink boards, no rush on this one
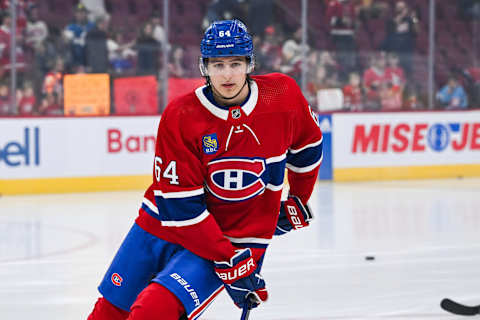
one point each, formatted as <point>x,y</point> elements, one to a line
<point>386,146</point>
<point>50,155</point>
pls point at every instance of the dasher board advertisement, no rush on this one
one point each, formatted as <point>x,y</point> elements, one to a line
<point>371,146</point>
<point>105,149</point>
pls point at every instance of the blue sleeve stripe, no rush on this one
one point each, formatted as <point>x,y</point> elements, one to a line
<point>179,194</point>
<point>305,169</point>
<point>306,157</point>
<point>180,208</point>
<point>189,222</point>
<point>149,211</point>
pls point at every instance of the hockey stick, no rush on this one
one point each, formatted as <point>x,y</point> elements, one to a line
<point>247,306</point>
<point>458,308</point>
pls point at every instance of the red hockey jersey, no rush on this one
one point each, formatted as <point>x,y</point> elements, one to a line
<point>218,173</point>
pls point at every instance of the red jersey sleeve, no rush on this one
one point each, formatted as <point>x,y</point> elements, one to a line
<point>305,153</point>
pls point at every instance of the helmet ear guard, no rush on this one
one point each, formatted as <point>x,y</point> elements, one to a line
<point>202,65</point>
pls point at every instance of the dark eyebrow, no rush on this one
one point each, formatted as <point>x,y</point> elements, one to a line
<point>235,59</point>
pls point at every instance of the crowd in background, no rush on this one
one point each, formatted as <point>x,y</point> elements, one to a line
<point>340,75</point>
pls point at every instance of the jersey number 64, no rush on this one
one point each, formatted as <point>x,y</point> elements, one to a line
<point>170,171</point>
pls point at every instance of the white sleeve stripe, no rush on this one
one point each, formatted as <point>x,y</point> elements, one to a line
<point>313,144</point>
<point>179,194</point>
<point>274,187</point>
<point>189,222</point>
<point>276,159</point>
<point>248,240</point>
<point>305,169</point>
<point>150,205</point>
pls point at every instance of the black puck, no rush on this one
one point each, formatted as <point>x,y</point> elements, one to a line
<point>369,258</point>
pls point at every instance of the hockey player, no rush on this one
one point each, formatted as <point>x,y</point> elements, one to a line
<point>215,201</point>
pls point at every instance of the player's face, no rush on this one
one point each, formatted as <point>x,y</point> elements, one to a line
<point>228,76</point>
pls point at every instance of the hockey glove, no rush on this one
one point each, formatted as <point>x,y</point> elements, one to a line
<point>241,278</point>
<point>293,215</point>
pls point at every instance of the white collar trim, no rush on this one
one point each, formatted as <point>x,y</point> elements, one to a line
<point>223,114</point>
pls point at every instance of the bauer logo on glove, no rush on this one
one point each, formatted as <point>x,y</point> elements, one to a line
<point>231,275</point>
<point>293,215</point>
<point>241,278</point>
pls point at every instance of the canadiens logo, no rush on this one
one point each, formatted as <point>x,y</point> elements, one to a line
<point>117,279</point>
<point>210,143</point>
<point>236,179</point>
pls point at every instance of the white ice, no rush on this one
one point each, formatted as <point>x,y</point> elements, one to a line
<point>424,235</point>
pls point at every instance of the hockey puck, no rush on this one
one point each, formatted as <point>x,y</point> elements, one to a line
<point>369,258</point>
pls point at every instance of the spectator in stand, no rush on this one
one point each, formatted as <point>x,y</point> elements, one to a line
<point>96,51</point>
<point>352,93</point>
<point>158,31</point>
<point>53,82</point>
<point>375,79</point>
<point>320,77</point>
<point>392,92</point>
<point>412,100</point>
<point>317,81</point>
<point>401,34</point>
<point>75,34</point>
<point>4,100</point>
<point>120,54</point>
<point>394,72</point>
<point>292,55</point>
<point>391,98</point>
<point>341,18</point>
<point>176,65</point>
<point>22,8</point>
<point>26,100</point>
<point>50,106</point>
<point>148,51</point>
<point>43,61</point>
<point>36,31</point>
<point>5,38</point>
<point>328,60</point>
<point>269,54</point>
<point>452,95</point>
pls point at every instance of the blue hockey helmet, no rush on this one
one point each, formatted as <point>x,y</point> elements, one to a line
<point>226,38</point>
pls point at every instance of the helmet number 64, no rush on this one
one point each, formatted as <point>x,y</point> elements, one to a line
<point>224,33</point>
